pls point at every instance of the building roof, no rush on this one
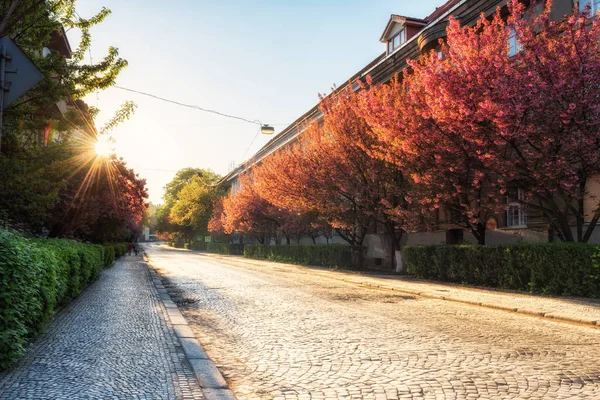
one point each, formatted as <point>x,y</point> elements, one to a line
<point>439,11</point>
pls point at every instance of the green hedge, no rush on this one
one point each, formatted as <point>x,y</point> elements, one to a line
<point>339,256</point>
<point>120,249</point>
<point>198,245</point>
<point>225,248</point>
<point>112,251</point>
<point>554,268</point>
<point>36,276</point>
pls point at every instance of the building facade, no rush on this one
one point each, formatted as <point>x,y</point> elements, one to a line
<point>405,38</point>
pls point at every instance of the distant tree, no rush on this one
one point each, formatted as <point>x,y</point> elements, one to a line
<point>182,178</point>
<point>165,225</point>
<point>188,203</point>
<point>193,206</point>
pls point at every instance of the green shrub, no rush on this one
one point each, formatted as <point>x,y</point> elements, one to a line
<point>551,268</point>
<point>120,249</point>
<point>37,275</point>
<point>187,246</point>
<point>225,248</point>
<point>339,256</point>
<point>109,254</point>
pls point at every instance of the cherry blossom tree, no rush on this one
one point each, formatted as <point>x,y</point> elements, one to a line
<point>332,171</point>
<point>246,212</point>
<point>548,113</point>
<point>511,105</point>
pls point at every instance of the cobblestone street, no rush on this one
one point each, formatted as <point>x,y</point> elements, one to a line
<point>113,342</point>
<point>288,333</point>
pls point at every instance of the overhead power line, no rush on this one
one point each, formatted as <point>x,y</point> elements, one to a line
<point>250,145</point>
<point>257,122</point>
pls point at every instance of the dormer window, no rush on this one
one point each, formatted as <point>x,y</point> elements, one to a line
<point>396,41</point>
<point>399,30</point>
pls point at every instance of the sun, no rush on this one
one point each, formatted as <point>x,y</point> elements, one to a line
<point>104,146</point>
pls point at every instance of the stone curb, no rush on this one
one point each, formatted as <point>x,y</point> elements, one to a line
<point>210,379</point>
<point>557,317</point>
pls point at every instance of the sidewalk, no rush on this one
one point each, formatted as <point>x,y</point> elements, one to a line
<point>115,341</point>
<point>561,309</point>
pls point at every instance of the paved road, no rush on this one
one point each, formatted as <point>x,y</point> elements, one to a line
<point>290,334</point>
<point>113,342</point>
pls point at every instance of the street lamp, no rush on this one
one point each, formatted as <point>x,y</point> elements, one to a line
<point>267,130</point>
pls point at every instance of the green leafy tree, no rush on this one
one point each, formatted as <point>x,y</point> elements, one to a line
<point>194,204</point>
<point>47,155</point>
<point>188,203</point>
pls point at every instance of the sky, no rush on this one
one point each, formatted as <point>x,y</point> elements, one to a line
<point>261,60</point>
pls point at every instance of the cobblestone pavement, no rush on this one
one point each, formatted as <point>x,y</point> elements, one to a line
<point>291,334</point>
<point>113,342</point>
<point>574,310</point>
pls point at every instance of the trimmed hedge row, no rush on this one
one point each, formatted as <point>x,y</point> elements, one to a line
<point>562,269</point>
<point>37,276</point>
<point>112,251</point>
<point>320,255</point>
<point>225,248</point>
<point>198,245</point>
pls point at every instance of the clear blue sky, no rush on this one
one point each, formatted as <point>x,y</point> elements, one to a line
<point>265,60</point>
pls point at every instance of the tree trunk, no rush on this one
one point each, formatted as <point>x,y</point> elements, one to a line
<point>591,227</point>
<point>479,233</point>
<point>565,228</point>
<point>395,238</point>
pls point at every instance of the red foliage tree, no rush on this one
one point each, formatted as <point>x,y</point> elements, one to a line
<point>104,201</point>
<point>431,126</point>
<point>246,212</point>
<point>548,114</point>
<point>483,121</point>
<point>215,224</point>
<point>332,171</point>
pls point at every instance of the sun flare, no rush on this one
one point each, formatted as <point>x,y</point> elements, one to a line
<point>104,146</point>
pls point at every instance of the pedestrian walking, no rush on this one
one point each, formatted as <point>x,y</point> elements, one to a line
<point>136,248</point>
<point>129,248</point>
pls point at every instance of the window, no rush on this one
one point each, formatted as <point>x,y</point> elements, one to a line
<point>513,43</point>
<point>516,215</point>
<point>398,40</point>
<point>594,5</point>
